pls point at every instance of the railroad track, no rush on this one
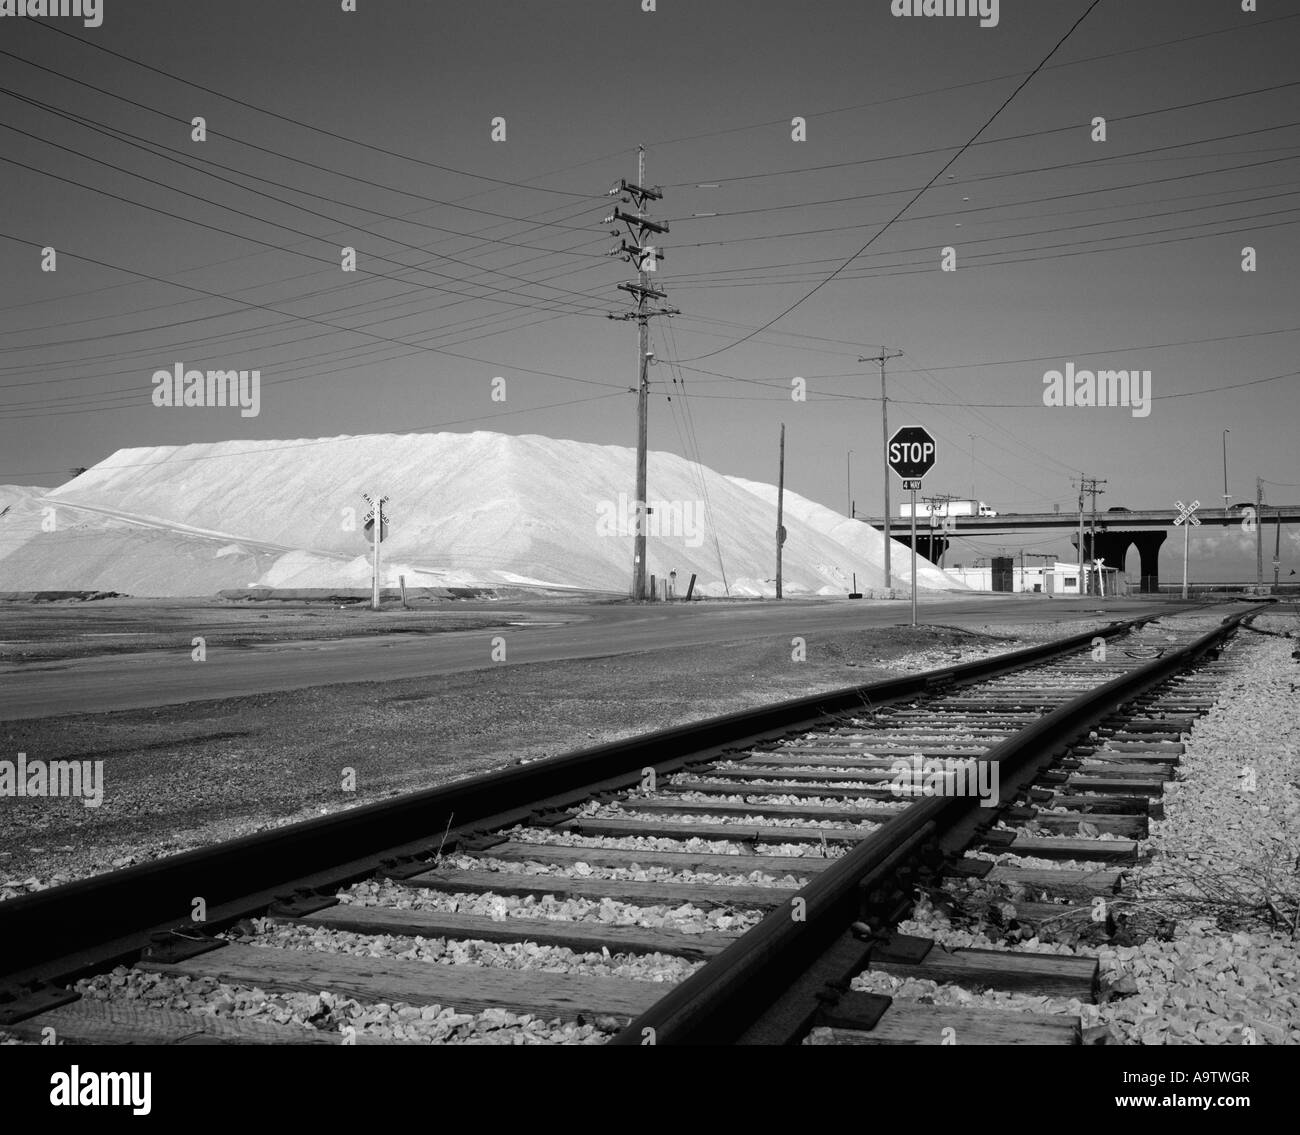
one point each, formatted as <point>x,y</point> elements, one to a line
<point>731,882</point>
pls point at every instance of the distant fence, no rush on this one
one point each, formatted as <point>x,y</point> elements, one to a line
<point>1231,588</point>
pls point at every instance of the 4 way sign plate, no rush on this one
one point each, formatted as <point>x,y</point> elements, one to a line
<point>912,483</point>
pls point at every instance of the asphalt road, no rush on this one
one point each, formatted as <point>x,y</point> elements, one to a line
<point>577,631</point>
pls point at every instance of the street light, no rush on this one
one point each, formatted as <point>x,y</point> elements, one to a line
<point>1226,498</point>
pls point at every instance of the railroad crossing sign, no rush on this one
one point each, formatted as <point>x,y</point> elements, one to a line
<point>377,510</point>
<point>370,519</point>
<point>911,452</point>
<point>1185,512</point>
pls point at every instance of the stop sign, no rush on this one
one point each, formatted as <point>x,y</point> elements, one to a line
<point>911,451</point>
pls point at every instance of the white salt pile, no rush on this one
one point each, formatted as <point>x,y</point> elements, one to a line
<point>465,509</point>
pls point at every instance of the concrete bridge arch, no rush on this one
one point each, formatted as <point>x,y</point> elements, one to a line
<point>1113,546</point>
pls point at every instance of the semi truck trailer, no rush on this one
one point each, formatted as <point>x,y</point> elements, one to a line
<point>950,508</point>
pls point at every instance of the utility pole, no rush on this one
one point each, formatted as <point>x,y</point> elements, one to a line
<point>646,259</point>
<point>1259,531</point>
<point>1226,498</point>
<point>1080,536</point>
<point>780,510</point>
<point>934,502</point>
<point>848,483</point>
<point>1092,539</point>
<point>1277,547</point>
<point>882,358</point>
<point>1088,485</point>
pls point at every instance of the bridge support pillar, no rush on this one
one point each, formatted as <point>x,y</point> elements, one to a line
<point>931,547</point>
<point>1113,546</point>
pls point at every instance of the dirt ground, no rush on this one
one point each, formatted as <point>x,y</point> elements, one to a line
<point>177,777</point>
<point>31,632</point>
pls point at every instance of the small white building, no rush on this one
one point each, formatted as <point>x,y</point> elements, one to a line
<point>1049,579</point>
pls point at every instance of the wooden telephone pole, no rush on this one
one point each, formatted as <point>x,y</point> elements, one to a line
<point>882,358</point>
<point>1259,531</point>
<point>1088,485</point>
<point>780,510</point>
<point>646,259</point>
<point>939,499</point>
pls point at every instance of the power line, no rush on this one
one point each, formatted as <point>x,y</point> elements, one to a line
<point>267,307</point>
<point>378,304</point>
<point>307,125</point>
<point>1254,23</point>
<point>914,199</point>
<point>272,224</point>
<point>172,458</point>
<point>1020,236</point>
<point>985,260</point>
<point>276,154</point>
<point>1071,212</point>
<point>1073,126</point>
<point>1181,177</point>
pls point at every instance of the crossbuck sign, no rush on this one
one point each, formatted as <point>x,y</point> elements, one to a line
<point>1185,512</point>
<point>1186,517</point>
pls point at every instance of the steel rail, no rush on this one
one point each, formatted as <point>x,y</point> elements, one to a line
<point>718,1002</point>
<point>79,927</point>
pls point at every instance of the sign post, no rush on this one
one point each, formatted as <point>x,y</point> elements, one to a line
<point>913,556</point>
<point>376,519</point>
<point>911,454</point>
<point>1186,517</point>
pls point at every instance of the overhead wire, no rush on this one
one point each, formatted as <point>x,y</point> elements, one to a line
<point>693,433</point>
<point>299,122</point>
<point>947,165</point>
<point>494,294</point>
<point>1254,24</point>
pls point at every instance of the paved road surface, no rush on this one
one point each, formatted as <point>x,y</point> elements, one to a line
<point>153,678</point>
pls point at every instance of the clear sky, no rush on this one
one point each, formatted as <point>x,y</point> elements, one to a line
<point>480,258</point>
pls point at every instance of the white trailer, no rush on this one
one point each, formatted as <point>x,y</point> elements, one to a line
<point>964,507</point>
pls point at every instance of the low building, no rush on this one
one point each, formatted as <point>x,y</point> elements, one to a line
<point>1004,574</point>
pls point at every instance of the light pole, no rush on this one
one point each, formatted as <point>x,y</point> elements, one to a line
<point>1226,498</point>
<point>848,484</point>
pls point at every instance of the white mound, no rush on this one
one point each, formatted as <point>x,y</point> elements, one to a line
<point>465,509</point>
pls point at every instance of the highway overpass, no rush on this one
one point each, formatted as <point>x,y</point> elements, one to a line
<point>1116,530</point>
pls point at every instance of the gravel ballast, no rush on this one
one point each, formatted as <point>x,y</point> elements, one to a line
<point>1204,949</point>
